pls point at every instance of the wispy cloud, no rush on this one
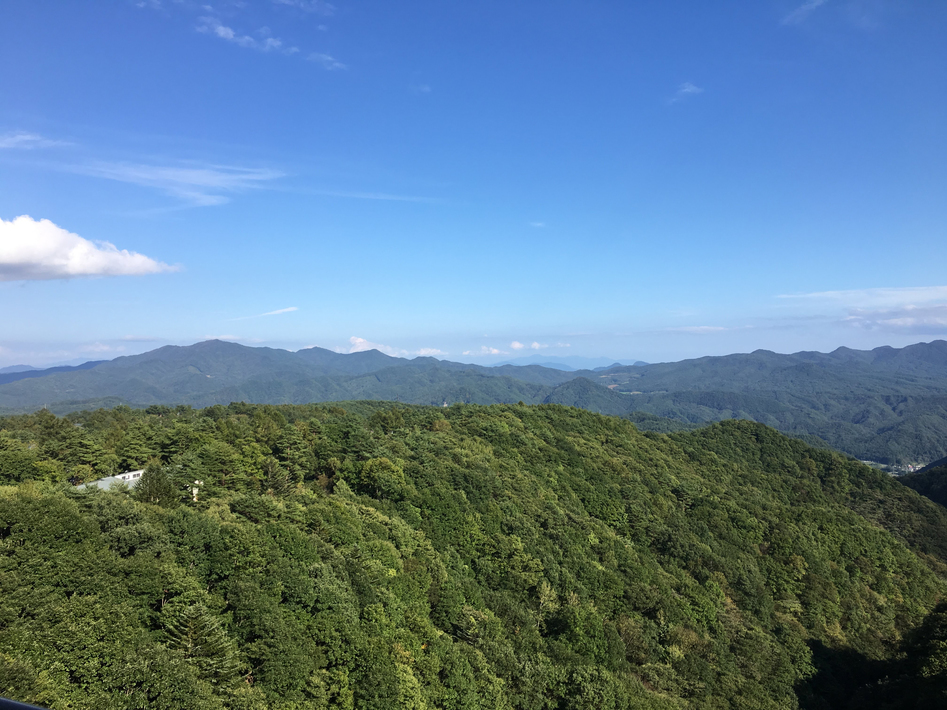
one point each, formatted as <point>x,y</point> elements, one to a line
<point>698,329</point>
<point>537,225</point>
<point>326,61</point>
<point>420,88</point>
<point>199,185</point>
<point>686,90</point>
<point>269,313</point>
<point>281,310</point>
<point>317,6</point>
<point>485,350</point>
<point>874,297</point>
<point>98,347</point>
<point>38,250</point>
<point>261,40</point>
<point>359,345</point>
<point>265,43</point>
<point>27,141</point>
<point>910,319</point>
<point>517,345</point>
<point>384,196</point>
<point>799,15</point>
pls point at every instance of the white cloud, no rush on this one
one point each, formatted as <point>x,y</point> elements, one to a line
<point>359,345</point>
<point>485,350</point>
<point>327,61</point>
<point>910,319</point>
<point>800,14</point>
<point>281,310</point>
<point>27,141</point>
<point>318,6</point>
<point>421,88</point>
<point>198,184</point>
<point>32,250</point>
<point>685,90</point>
<point>875,297</point>
<point>538,225</point>
<point>213,26</point>
<point>516,345</point>
<point>269,313</point>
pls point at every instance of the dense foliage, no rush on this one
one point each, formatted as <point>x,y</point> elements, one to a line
<point>886,405</point>
<point>541,558</point>
<point>931,482</point>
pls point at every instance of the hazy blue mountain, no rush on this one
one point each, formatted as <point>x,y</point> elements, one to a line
<point>16,368</point>
<point>23,372</point>
<point>564,362</point>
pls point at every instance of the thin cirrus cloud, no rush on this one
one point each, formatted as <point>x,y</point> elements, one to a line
<point>698,329</point>
<point>326,61</point>
<point>485,350</point>
<point>269,313</point>
<point>918,320</point>
<point>27,141</point>
<point>38,250</point>
<point>899,297</point>
<point>200,185</point>
<point>685,91</point>
<point>383,196</point>
<point>317,6</point>
<point>264,43</point>
<point>799,15</point>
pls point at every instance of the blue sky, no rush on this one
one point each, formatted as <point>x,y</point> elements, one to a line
<point>477,181</point>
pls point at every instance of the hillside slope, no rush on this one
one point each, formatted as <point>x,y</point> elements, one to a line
<point>372,556</point>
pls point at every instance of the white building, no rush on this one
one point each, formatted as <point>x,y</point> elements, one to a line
<point>129,478</point>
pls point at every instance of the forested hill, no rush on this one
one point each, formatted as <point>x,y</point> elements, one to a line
<point>887,405</point>
<point>930,482</point>
<point>217,372</point>
<point>529,557</point>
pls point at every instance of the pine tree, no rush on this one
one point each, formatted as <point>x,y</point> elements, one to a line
<point>197,634</point>
<point>156,487</point>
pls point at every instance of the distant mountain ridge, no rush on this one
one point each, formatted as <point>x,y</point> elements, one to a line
<point>23,372</point>
<point>887,404</point>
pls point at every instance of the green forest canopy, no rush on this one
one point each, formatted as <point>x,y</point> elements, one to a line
<point>510,556</point>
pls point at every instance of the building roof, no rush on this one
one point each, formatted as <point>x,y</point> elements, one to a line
<point>129,478</point>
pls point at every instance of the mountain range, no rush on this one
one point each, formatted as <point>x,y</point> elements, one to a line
<point>887,405</point>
